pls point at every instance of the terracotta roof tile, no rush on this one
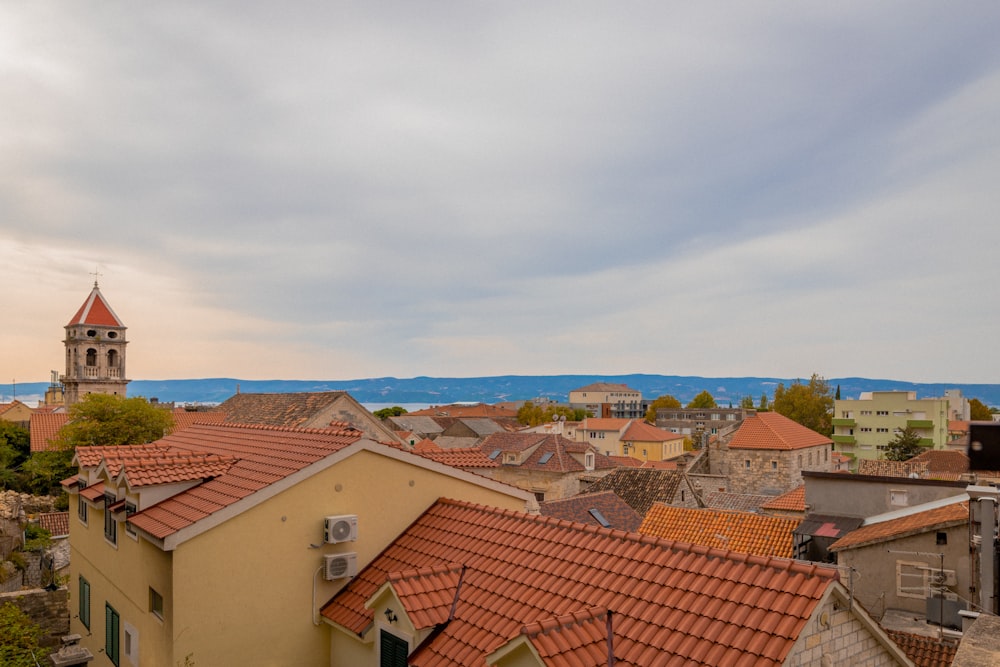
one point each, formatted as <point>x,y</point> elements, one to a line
<point>886,468</point>
<point>470,457</point>
<point>615,511</point>
<point>643,432</point>
<point>44,427</point>
<point>911,522</point>
<point>770,430</point>
<point>527,575</point>
<point>743,502</point>
<point>793,501</point>
<point>185,418</point>
<point>57,523</point>
<point>738,531</point>
<point>95,310</point>
<point>427,594</point>
<point>925,651</point>
<point>239,459</point>
<point>943,460</point>
<point>276,409</point>
<point>640,487</point>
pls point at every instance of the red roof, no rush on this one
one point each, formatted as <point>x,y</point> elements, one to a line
<point>466,457</point>
<point>524,572</point>
<point>247,458</point>
<point>44,426</point>
<point>793,501</point>
<point>746,532</point>
<point>913,523</point>
<point>95,310</point>
<point>643,432</point>
<point>770,430</point>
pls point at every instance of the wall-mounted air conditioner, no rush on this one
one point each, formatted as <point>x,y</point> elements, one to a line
<point>337,529</point>
<point>340,566</point>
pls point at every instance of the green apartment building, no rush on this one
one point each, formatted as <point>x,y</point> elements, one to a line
<point>862,428</point>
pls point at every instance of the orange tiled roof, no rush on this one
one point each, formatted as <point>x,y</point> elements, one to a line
<point>659,465</point>
<point>745,532</point>
<point>643,432</point>
<point>262,456</point>
<point>911,523</point>
<point>468,457</point>
<point>426,445</point>
<point>943,460</point>
<point>626,461</point>
<point>111,456</point>
<point>925,651</point>
<point>427,593</point>
<point>577,638</point>
<point>95,310</point>
<point>769,430</point>
<point>673,601</point>
<point>43,427</point>
<point>958,426</point>
<point>186,418</point>
<point>793,501</point>
<point>171,467</point>
<point>57,523</point>
<point>581,509</point>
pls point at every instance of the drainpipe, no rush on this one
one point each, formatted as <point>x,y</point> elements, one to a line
<point>987,553</point>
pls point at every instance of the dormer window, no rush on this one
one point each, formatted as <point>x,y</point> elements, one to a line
<point>110,525</point>
<point>588,460</point>
<point>510,457</point>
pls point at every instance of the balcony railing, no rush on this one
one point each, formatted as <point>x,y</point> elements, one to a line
<point>920,423</point>
<point>843,421</point>
<point>844,439</point>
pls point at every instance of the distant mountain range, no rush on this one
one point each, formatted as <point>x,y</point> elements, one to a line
<point>440,391</point>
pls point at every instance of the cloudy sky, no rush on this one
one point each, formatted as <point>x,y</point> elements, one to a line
<point>335,191</point>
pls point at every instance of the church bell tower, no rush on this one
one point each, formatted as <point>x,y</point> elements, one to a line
<point>95,351</point>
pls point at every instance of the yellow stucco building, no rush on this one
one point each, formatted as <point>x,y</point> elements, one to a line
<point>216,545</point>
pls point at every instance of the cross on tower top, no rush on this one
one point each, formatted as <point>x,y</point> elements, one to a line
<point>96,275</point>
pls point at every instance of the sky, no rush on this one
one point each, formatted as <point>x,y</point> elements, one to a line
<point>329,190</point>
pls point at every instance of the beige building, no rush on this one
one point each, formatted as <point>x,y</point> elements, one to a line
<point>609,400</point>
<point>863,427</point>
<point>217,544</point>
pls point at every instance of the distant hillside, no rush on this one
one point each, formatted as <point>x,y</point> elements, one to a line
<point>439,391</point>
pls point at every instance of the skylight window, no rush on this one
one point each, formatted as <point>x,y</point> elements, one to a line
<point>545,458</point>
<point>495,453</point>
<point>596,513</point>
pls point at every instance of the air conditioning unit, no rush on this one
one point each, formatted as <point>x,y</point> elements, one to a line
<point>337,529</point>
<point>340,566</point>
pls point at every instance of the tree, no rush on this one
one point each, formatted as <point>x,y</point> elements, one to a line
<point>394,411</point>
<point>15,447</point>
<point>19,638</point>
<point>747,402</point>
<point>808,404</point>
<point>978,411</point>
<point>664,401</point>
<point>530,414</point>
<point>44,470</point>
<point>702,400</point>
<point>105,419</point>
<point>904,446</point>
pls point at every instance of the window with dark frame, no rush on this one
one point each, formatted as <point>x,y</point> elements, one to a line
<point>155,603</point>
<point>393,650</point>
<point>110,525</point>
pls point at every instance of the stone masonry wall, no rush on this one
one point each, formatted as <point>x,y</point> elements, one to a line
<point>48,609</point>
<point>834,636</point>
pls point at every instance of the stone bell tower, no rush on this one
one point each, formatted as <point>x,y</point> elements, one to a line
<point>95,351</point>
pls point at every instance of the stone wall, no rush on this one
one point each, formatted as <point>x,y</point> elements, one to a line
<point>835,636</point>
<point>49,609</point>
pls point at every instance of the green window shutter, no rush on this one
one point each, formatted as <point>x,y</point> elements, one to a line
<point>392,650</point>
<point>85,602</point>
<point>111,633</point>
